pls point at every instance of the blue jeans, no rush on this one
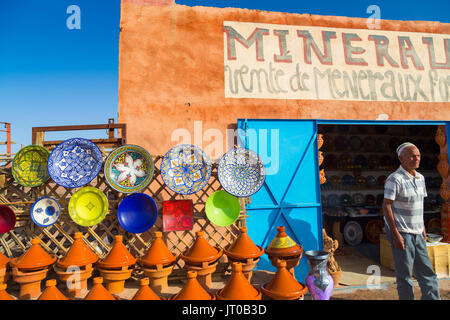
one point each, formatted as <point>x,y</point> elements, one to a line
<point>415,256</point>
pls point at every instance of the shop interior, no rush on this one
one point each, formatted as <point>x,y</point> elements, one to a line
<point>357,160</point>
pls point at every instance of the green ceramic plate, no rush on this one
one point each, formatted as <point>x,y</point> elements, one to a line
<point>88,206</point>
<point>29,166</point>
<point>222,208</point>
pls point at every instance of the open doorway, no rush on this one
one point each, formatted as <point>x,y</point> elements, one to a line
<point>357,159</point>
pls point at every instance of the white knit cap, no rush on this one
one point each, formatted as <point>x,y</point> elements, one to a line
<point>403,146</point>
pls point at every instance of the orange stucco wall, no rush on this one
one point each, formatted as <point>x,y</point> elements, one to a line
<point>171,73</point>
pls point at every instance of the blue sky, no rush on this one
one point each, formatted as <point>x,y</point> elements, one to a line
<point>50,75</point>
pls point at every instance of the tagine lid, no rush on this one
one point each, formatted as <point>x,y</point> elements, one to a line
<point>4,261</point>
<point>79,254</point>
<point>283,245</point>
<point>35,257</point>
<point>192,290</point>
<point>201,251</point>
<point>243,247</point>
<point>158,253</point>
<point>51,292</point>
<point>118,257</point>
<point>283,285</point>
<point>145,292</point>
<point>238,287</point>
<point>98,291</point>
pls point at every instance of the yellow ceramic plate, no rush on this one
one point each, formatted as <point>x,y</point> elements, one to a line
<point>88,206</point>
<point>29,167</point>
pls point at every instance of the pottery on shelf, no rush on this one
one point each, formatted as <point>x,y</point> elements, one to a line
<point>117,266</point>
<point>4,268</point>
<point>98,291</point>
<point>76,266</point>
<point>192,290</point>
<point>52,292</point>
<point>245,251</point>
<point>145,292</point>
<point>238,287</point>
<point>202,258</point>
<point>319,281</point>
<point>284,248</point>
<point>3,294</point>
<point>30,269</point>
<point>283,285</point>
<point>158,263</point>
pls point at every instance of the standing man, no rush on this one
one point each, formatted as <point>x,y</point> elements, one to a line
<point>404,192</point>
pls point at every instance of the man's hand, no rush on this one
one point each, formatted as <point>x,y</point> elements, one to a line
<point>398,241</point>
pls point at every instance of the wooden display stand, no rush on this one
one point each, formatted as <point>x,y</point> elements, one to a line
<point>439,254</point>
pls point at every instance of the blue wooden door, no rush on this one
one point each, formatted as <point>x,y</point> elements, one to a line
<point>290,196</point>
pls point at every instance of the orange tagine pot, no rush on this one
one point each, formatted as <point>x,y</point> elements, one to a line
<point>52,292</point>
<point>158,263</point>
<point>117,266</point>
<point>4,266</point>
<point>202,258</point>
<point>192,290</point>
<point>284,248</point>
<point>238,287</point>
<point>245,251</point>
<point>30,269</point>
<point>283,285</point>
<point>99,292</point>
<point>3,294</point>
<point>75,268</point>
<point>145,292</point>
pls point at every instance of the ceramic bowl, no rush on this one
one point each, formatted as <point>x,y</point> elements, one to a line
<point>241,172</point>
<point>433,238</point>
<point>29,166</point>
<point>137,213</point>
<point>7,219</point>
<point>88,206</point>
<point>74,162</point>
<point>45,211</point>
<point>185,169</point>
<point>222,208</point>
<point>129,169</point>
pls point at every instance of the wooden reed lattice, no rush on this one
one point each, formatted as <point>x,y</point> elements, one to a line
<point>59,237</point>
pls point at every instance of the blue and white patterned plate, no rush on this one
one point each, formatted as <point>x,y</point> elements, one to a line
<point>241,172</point>
<point>185,169</point>
<point>74,162</point>
<point>45,211</point>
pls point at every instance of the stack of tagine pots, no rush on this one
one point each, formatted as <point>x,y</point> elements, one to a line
<point>75,268</point>
<point>283,285</point>
<point>243,250</point>
<point>284,248</point>
<point>203,259</point>
<point>4,268</point>
<point>52,292</point>
<point>158,263</point>
<point>117,266</point>
<point>192,290</point>
<point>145,292</point>
<point>238,287</point>
<point>99,292</point>
<point>30,269</point>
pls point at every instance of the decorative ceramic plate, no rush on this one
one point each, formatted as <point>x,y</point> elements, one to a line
<point>241,172</point>
<point>129,169</point>
<point>222,208</point>
<point>88,206</point>
<point>75,162</point>
<point>355,143</point>
<point>373,230</point>
<point>7,219</point>
<point>353,233</point>
<point>185,169</point>
<point>45,211</point>
<point>29,167</point>
<point>178,215</point>
<point>137,213</point>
